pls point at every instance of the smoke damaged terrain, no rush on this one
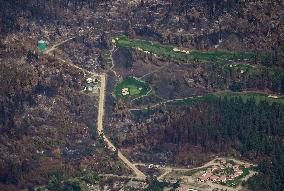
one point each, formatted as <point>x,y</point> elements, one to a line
<point>186,81</point>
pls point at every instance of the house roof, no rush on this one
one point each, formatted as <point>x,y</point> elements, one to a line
<point>222,178</point>
<point>206,175</point>
<point>239,172</point>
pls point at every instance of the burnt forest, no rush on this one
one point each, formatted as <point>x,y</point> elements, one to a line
<point>141,95</point>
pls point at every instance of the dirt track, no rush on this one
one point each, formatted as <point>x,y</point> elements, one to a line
<point>47,51</point>
<point>101,110</point>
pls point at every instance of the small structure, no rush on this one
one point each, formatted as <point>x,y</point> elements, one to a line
<point>239,172</point>
<point>91,84</point>
<point>272,96</point>
<point>125,91</point>
<point>176,50</point>
<point>41,45</point>
<point>92,80</point>
<point>151,166</point>
<point>231,177</point>
<point>214,178</point>
<point>89,80</point>
<point>90,88</point>
<point>204,177</point>
<point>223,161</point>
<point>236,167</point>
<point>214,168</point>
<point>222,178</point>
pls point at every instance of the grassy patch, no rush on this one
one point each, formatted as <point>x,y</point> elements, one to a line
<point>242,68</point>
<point>197,99</point>
<point>257,97</point>
<point>239,60</point>
<point>172,53</point>
<point>274,73</point>
<point>135,88</point>
<point>245,96</point>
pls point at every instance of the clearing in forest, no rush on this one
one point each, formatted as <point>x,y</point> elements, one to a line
<point>245,96</point>
<point>131,87</point>
<point>170,52</point>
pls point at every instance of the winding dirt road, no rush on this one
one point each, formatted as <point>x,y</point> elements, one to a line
<point>101,110</point>
<point>47,51</point>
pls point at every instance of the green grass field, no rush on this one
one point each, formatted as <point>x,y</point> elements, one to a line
<point>236,61</point>
<point>136,88</point>
<point>245,96</point>
<point>168,52</point>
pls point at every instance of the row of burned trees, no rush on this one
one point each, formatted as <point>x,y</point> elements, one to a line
<point>39,10</point>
